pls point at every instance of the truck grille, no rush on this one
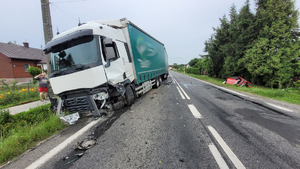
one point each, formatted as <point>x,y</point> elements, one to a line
<point>79,104</point>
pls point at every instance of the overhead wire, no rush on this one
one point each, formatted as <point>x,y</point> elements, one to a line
<point>56,6</point>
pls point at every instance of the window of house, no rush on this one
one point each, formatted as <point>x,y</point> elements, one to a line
<point>26,67</point>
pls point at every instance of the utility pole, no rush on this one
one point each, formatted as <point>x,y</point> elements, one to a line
<point>47,24</point>
<point>48,35</point>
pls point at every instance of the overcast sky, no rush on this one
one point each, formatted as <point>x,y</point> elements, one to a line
<point>182,25</point>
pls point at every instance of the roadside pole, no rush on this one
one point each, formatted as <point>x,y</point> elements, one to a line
<point>48,35</point>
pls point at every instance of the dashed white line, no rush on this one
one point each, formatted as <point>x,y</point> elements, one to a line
<point>38,163</point>
<point>219,159</point>
<point>195,111</point>
<point>182,90</point>
<point>238,164</point>
<point>182,96</point>
<point>279,107</point>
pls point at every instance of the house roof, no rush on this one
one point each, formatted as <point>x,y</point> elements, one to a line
<point>14,51</point>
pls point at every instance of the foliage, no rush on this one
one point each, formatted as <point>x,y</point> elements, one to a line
<point>276,47</point>
<point>262,47</point>
<point>15,96</point>
<point>34,71</point>
<point>193,62</point>
<point>21,131</point>
<point>5,84</point>
<point>193,71</point>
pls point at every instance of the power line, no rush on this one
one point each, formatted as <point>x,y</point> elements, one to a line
<point>56,6</point>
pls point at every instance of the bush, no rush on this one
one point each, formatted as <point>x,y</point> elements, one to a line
<point>32,117</point>
<point>34,71</point>
<point>193,71</point>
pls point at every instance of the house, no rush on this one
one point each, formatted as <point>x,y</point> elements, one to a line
<point>15,61</point>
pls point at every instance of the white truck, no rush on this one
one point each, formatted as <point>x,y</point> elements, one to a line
<point>104,65</point>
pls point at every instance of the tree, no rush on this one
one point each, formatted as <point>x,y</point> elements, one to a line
<point>276,47</point>
<point>217,47</point>
<point>175,66</point>
<point>193,62</point>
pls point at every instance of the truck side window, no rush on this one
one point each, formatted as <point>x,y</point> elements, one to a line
<point>128,53</point>
<point>110,51</point>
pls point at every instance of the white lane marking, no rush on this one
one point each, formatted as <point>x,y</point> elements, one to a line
<point>238,164</point>
<point>38,163</point>
<point>279,107</point>
<point>182,90</point>
<point>182,96</point>
<point>220,161</point>
<point>195,111</point>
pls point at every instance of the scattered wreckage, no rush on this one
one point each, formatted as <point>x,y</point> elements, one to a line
<point>237,80</point>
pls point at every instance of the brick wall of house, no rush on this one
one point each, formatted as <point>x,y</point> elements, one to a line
<point>6,70</point>
<point>19,68</point>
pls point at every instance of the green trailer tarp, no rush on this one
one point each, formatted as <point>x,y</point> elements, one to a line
<point>148,55</point>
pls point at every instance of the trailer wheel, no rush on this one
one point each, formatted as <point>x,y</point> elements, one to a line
<point>129,95</point>
<point>157,82</point>
<point>160,80</point>
<point>165,76</point>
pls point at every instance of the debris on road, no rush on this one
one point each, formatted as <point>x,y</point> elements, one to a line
<point>237,80</point>
<point>79,154</point>
<point>85,144</point>
<point>70,119</point>
<point>181,160</point>
<point>72,160</point>
<point>65,158</point>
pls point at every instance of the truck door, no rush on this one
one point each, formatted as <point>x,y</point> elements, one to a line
<point>114,64</point>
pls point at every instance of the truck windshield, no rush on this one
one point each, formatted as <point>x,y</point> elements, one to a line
<point>78,52</point>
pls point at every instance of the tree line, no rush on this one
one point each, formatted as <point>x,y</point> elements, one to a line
<point>261,47</point>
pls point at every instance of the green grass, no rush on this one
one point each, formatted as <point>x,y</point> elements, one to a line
<point>22,131</point>
<point>17,95</point>
<point>290,95</point>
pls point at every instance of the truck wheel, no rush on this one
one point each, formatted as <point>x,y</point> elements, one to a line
<point>129,95</point>
<point>165,76</point>
<point>160,80</point>
<point>157,83</point>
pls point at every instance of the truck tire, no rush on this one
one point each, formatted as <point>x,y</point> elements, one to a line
<point>165,76</point>
<point>157,83</point>
<point>129,95</point>
<point>160,80</point>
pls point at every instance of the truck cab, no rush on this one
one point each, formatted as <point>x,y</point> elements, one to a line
<point>92,66</point>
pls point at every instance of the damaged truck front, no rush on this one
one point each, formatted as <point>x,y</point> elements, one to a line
<point>104,65</point>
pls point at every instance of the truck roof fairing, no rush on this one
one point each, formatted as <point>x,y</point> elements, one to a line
<point>71,36</point>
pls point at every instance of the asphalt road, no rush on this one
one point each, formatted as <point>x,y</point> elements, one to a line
<point>183,124</point>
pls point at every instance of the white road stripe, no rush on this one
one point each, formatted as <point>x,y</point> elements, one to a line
<point>182,90</point>
<point>279,107</point>
<point>182,96</point>
<point>195,111</point>
<point>61,146</point>
<point>238,164</point>
<point>220,161</point>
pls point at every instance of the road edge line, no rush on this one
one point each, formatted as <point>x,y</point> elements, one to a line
<point>42,160</point>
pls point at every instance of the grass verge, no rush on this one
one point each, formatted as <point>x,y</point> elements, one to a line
<point>24,130</point>
<point>289,95</point>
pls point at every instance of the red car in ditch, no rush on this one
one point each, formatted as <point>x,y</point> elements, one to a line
<point>237,80</point>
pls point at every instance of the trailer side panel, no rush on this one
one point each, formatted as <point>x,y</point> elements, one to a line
<point>148,55</point>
